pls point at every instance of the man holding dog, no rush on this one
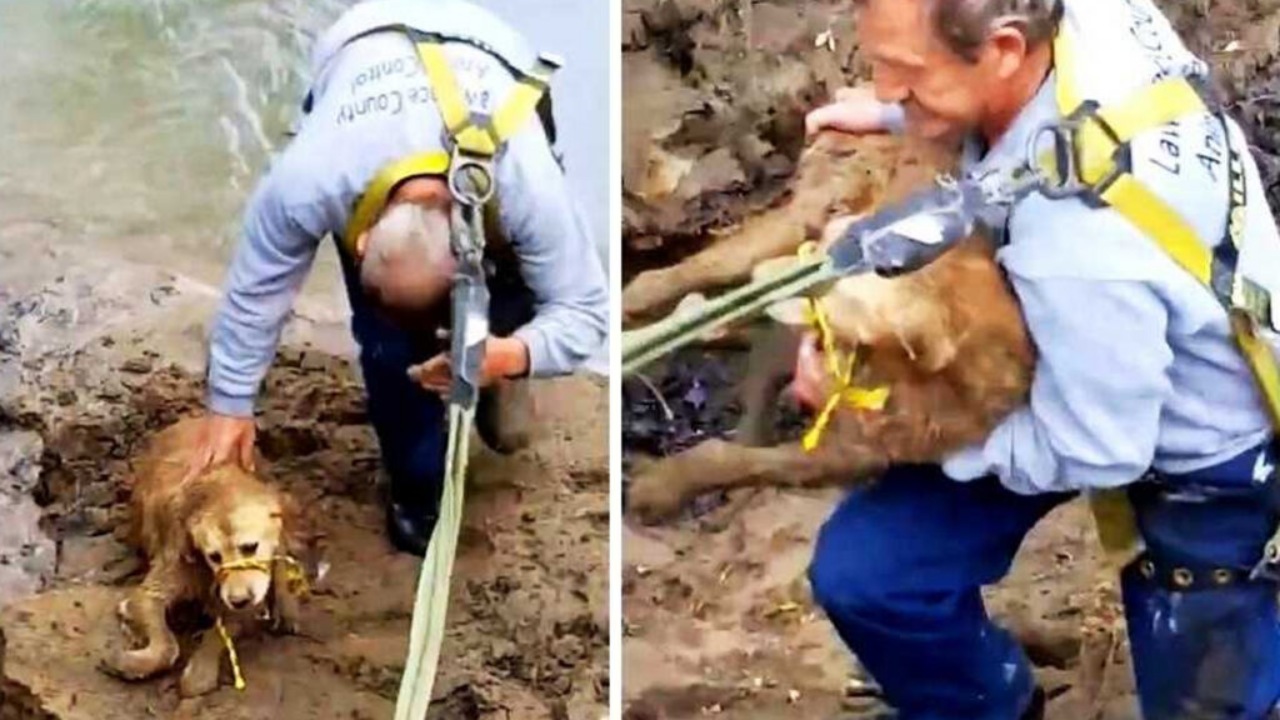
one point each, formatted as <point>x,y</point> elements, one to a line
<point>368,166</point>
<point>1140,384</point>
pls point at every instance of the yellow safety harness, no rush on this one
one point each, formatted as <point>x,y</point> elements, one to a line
<point>1096,165</point>
<point>473,137</point>
<point>296,578</point>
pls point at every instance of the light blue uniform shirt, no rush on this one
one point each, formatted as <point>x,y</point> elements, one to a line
<point>1137,367</point>
<point>371,106</point>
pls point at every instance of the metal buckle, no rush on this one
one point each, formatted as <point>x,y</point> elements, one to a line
<point>1064,135</point>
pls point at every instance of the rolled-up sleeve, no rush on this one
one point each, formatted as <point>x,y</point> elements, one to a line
<point>1101,381</point>
<point>558,260</point>
<point>270,264</point>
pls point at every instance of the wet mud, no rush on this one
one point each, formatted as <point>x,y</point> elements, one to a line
<point>97,354</point>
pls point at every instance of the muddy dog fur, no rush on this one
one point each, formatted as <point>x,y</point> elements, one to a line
<point>949,341</point>
<point>186,529</point>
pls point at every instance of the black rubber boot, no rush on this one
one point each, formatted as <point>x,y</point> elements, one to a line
<point>411,517</point>
<point>409,528</point>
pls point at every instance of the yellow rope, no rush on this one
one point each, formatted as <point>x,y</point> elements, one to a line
<point>231,653</point>
<point>841,369</point>
<point>294,576</point>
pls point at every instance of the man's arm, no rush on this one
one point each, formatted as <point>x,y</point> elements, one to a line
<point>270,264</point>
<point>558,261</point>
<point>1100,384</point>
<point>856,110</point>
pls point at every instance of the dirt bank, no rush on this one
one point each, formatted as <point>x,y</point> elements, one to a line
<point>98,353</point>
<point>717,610</point>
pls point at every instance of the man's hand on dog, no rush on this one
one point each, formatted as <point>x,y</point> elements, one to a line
<point>810,373</point>
<point>223,438</point>
<point>855,111</point>
<point>503,357</point>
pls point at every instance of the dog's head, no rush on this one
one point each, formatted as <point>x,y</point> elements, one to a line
<point>238,536</point>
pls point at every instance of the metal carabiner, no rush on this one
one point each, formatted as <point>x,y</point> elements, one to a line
<point>470,178</point>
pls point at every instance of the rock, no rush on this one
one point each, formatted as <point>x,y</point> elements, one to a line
<point>20,461</point>
<point>568,649</point>
<point>100,559</point>
<point>27,556</point>
<point>137,366</point>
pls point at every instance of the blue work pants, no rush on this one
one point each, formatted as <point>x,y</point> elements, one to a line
<point>899,565</point>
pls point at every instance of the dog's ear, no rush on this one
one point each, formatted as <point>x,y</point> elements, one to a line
<point>189,553</point>
<point>299,537</point>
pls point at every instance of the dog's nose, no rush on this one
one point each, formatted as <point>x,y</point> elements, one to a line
<point>240,603</point>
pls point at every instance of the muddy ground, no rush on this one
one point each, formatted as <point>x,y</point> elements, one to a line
<point>717,613</point>
<point>94,354</point>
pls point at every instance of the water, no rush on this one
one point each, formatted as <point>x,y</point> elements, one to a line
<point>140,126</point>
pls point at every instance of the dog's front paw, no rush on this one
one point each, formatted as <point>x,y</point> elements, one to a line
<point>285,621</point>
<point>139,664</point>
<point>200,676</point>
<point>655,495</point>
<point>289,588</point>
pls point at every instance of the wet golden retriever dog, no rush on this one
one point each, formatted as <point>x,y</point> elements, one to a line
<point>948,341</point>
<point>225,541</point>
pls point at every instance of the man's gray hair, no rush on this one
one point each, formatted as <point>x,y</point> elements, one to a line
<point>406,241</point>
<point>966,24</point>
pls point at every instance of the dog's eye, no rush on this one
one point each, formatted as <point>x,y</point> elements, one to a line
<point>215,558</point>
<point>249,549</point>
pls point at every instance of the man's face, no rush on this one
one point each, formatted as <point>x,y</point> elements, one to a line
<point>943,94</point>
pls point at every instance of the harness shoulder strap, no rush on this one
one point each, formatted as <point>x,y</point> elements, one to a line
<point>1103,164</point>
<point>473,134</point>
<point>1100,159</point>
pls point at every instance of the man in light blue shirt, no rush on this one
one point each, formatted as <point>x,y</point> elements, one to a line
<point>372,105</point>
<point>1139,384</point>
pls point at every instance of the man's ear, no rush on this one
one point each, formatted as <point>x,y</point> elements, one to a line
<point>362,242</point>
<point>1008,48</point>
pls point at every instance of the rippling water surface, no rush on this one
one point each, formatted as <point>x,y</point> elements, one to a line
<point>140,126</point>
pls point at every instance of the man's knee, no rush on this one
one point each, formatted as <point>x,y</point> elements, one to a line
<point>844,575</point>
